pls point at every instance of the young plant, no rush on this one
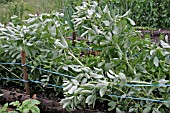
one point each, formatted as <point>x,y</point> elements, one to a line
<point>27,106</point>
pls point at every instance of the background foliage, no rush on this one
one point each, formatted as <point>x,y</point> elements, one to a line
<point>22,8</point>
<point>150,13</point>
<point>124,57</point>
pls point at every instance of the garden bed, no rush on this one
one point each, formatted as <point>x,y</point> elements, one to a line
<point>50,104</point>
<point>111,69</point>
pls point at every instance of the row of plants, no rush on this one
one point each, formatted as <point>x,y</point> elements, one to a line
<point>125,58</point>
<point>22,8</point>
<point>9,9</point>
<point>152,13</point>
<point>5,1</point>
<point>99,80</point>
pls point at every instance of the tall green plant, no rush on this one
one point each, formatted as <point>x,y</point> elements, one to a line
<point>5,1</point>
<point>10,9</point>
<point>37,37</point>
<point>152,13</point>
<point>124,58</point>
<point>120,63</point>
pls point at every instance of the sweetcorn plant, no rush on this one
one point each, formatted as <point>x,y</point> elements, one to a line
<point>125,58</point>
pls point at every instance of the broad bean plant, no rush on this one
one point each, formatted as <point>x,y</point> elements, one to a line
<point>106,80</point>
<point>124,58</point>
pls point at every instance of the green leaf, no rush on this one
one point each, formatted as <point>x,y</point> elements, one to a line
<point>88,99</point>
<point>141,68</point>
<point>32,101</point>
<point>122,76</point>
<point>84,81</point>
<point>16,103</point>
<point>4,108</point>
<point>164,45</point>
<point>53,30</point>
<point>106,9</point>
<point>163,81</point>
<point>38,42</point>
<point>132,109</point>
<point>66,83</point>
<point>88,85</point>
<point>29,44</point>
<point>127,43</point>
<point>156,61</point>
<point>75,68</point>
<point>78,91</point>
<point>110,76</point>
<point>118,110</point>
<point>103,91</point>
<point>104,42</point>
<point>83,34</point>
<point>127,13</point>
<point>35,109</point>
<point>72,89</point>
<point>75,81</point>
<point>166,38</point>
<point>106,23</point>
<point>156,111</point>
<point>100,64</point>
<point>58,44</point>
<point>147,110</point>
<point>66,104</point>
<point>67,99</point>
<point>131,21</point>
<point>44,80</point>
<point>98,31</point>
<point>109,36</point>
<point>107,66</point>
<point>64,42</point>
<point>67,87</point>
<point>25,110</point>
<point>95,75</point>
<point>86,92</point>
<point>111,105</point>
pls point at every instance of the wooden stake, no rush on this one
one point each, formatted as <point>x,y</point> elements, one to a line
<point>73,39</point>
<point>23,60</point>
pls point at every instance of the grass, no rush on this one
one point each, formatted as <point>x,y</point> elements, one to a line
<point>22,8</point>
<point>42,6</point>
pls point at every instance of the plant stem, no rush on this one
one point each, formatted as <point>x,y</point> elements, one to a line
<point>10,71</point>
<point>75,58</point>
<point>119,90</point>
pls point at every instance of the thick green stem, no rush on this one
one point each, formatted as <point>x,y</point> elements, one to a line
<point>75,58</point>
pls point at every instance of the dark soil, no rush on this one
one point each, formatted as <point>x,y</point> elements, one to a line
<point>49,102</point>
<point>155,34</point>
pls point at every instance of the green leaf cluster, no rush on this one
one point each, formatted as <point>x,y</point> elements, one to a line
<point>124,57</point>
<point>27,106</point>
<point>150,13</point>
